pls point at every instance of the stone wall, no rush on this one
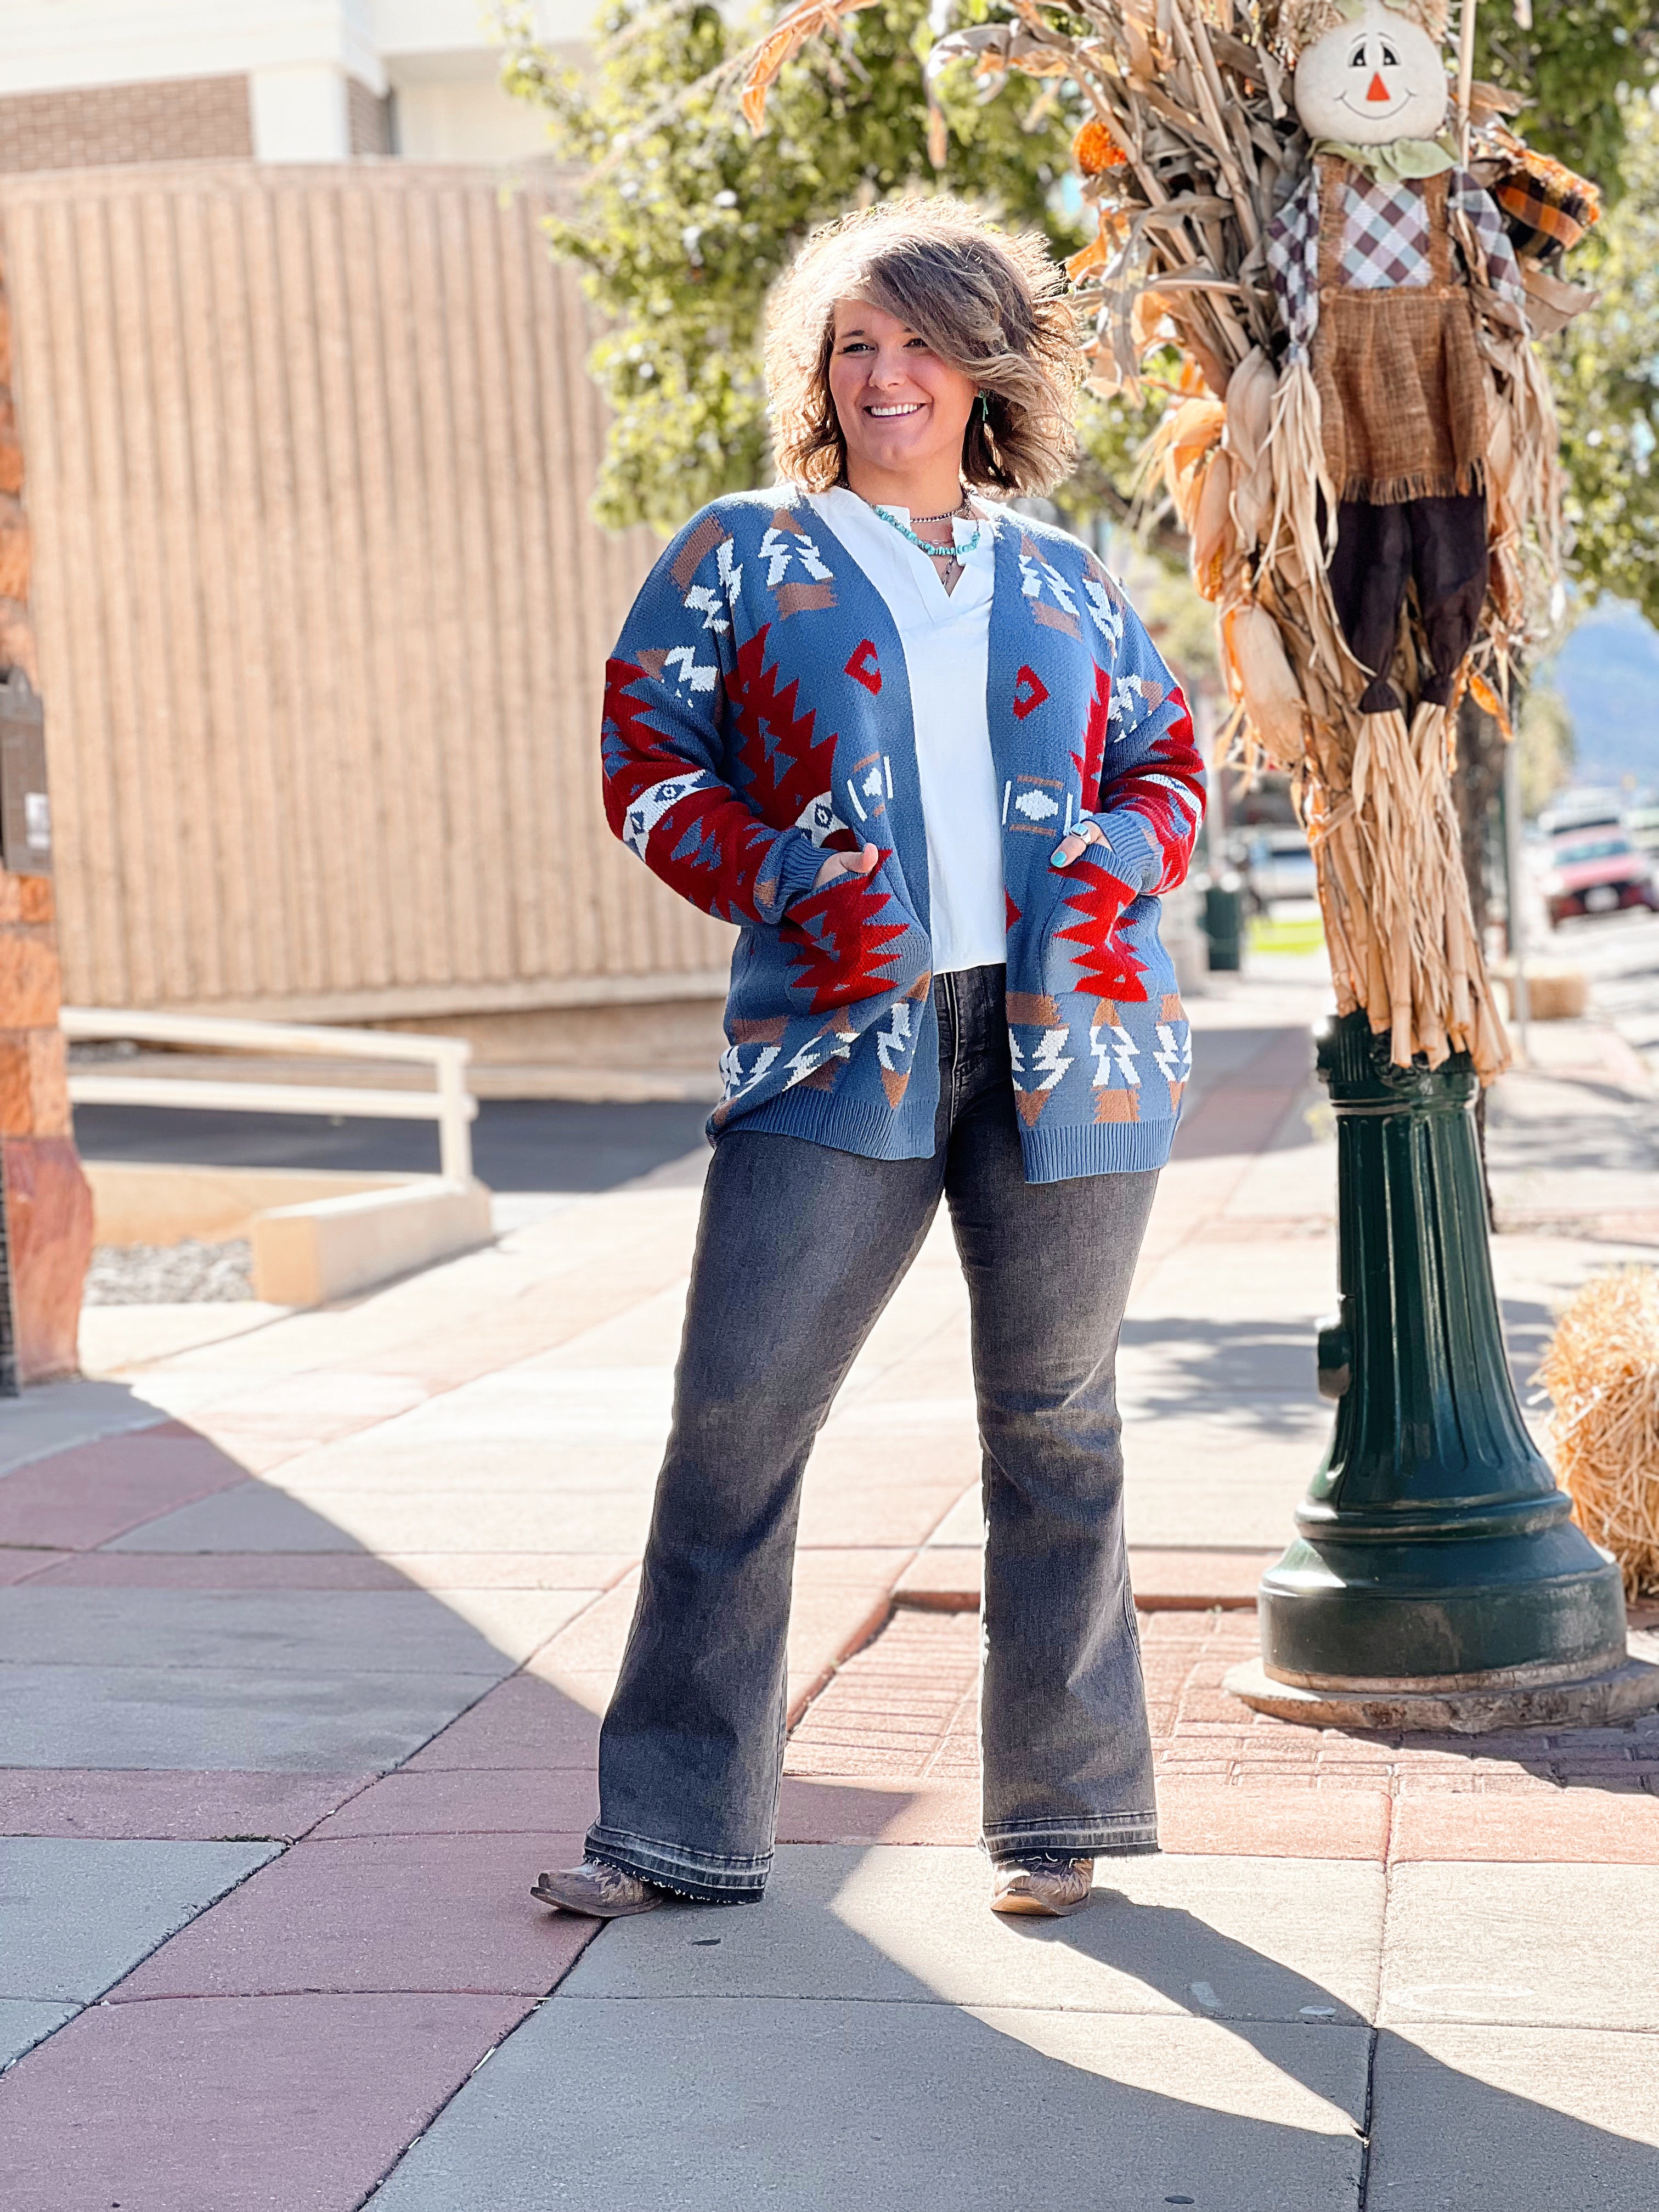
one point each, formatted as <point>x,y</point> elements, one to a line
<point>48,1205</point>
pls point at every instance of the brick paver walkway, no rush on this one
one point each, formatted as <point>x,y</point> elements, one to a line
<point>904,1710</point>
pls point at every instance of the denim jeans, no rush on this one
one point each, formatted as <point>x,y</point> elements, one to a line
<point>799,1250</point>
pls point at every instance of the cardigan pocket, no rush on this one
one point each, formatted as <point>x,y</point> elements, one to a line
<point>1095,949</point>
<point>856,940</point>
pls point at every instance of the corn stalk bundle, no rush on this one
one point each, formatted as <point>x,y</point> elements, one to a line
<point>1602,1371</point>
<point>1189,148</point>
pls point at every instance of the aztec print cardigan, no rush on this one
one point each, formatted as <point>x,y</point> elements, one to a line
<point>758,712</point>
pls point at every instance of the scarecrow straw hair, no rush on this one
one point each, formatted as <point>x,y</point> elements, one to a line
<point>1601,1370</point>
<point>1294,25</point>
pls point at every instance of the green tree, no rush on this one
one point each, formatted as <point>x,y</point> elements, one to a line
<point>1576,64</point>
<point>1605,368</point>
<point>682,221</point>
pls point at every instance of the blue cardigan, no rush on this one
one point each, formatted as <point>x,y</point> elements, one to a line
<point>758,712</point>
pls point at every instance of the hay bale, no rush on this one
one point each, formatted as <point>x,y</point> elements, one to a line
<point>1553,995</point>
<point>1602,1371</point>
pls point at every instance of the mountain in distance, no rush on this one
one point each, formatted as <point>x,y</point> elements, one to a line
<point>1608,671</point>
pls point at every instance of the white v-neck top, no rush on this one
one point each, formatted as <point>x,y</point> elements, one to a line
<point>947,639</point>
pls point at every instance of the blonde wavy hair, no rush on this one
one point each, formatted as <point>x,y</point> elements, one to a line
<point>990,302</point>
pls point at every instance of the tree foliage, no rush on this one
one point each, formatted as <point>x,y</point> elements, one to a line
<point>1605,367</point>
<point>683,221</point>
<point>1576,63</point>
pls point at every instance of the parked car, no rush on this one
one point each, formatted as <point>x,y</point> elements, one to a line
<point>1597,872</point>
<point>1642,827</point>
<point>1277,865</point>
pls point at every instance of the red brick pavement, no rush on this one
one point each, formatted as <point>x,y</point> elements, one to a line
<point>898,1721</point>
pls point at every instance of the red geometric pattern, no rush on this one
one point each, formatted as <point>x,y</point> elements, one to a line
<point>785,765</point>
<point>838,949</point>
<point>1105,965</point>
<point>864,668</point>
<point>1089,761</point>
<point>708,845</point>
<point>1143,789</point>
<point>1029,691</point>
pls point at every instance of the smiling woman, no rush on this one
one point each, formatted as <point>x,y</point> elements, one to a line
<point>920,748</point>
<point>991,316</point>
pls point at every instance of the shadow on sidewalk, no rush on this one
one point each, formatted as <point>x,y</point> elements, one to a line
<point>189,1656</point>
<point>1267,1369</point>
<point>789,2055</point>
<point>1454,2118</point>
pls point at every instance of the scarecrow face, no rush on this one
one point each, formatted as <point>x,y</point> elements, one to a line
<point>1371,80</point>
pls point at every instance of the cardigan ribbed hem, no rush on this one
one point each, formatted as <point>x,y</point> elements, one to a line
<point>799,865</point>
<point>1135,859</point>
<point>1108,1148</point>
<point>847,1125</point>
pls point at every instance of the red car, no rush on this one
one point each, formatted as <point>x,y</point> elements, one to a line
<point>1597,871</point>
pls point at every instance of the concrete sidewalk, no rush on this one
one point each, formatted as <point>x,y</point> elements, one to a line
<point>305,1633</point>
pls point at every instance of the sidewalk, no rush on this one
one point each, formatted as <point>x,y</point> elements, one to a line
<point>304,1636</point>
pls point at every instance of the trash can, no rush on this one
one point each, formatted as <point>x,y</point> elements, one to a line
<point>1223,923</point>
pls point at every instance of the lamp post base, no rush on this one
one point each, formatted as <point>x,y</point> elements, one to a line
<point>1511,1698</point>
<point>1437,1580</point>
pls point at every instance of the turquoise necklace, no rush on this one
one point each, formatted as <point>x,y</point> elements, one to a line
<point>953,552</point>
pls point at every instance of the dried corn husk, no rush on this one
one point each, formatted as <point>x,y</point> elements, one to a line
<point>1259,678</point>
<point>1214,535</point>
<point>1183,443</point>
<point>1602,1371</point>
<point>1247,437</point>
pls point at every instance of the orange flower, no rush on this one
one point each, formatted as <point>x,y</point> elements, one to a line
<point>1094,149</point>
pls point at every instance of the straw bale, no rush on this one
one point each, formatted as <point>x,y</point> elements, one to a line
<point>1602,1371</point>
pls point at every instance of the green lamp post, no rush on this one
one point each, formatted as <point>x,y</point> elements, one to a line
<point>1437,1580</point>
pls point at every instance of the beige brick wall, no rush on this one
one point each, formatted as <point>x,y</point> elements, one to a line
<point>183,119</point>
<point>369,119</point>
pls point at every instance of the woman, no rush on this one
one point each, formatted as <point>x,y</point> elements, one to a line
<point>920,750</point>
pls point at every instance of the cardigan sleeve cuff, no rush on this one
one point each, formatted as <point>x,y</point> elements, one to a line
<point>799,860</point>
<point>1129,852</point>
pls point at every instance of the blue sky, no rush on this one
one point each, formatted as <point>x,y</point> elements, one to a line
<point>1608,673</point>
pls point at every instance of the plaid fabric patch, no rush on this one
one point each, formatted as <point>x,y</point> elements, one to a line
<point>1293,259</point>
<point>1385,243</point>
<point>1503,269</point>
<point>1538,218</point>
<point>1385,236</point>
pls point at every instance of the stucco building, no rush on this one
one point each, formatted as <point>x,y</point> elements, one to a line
<point>85,82</point>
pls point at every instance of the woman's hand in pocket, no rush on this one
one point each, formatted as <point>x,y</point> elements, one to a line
<point>863,863</point>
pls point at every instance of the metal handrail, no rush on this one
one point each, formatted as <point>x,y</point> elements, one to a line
<point>450,1105</point>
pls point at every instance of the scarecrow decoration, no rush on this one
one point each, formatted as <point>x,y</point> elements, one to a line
<point>1360,442</point>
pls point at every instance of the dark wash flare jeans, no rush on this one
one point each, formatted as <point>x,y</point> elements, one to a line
<point>799,1250</point>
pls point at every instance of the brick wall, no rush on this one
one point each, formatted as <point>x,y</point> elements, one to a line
<point>369,119</point>
<point>183,119</point>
